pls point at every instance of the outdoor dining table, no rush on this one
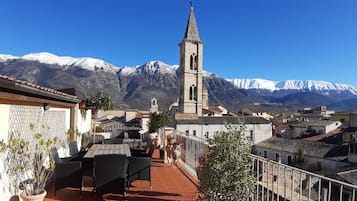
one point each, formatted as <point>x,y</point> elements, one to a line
<point>103,149</point>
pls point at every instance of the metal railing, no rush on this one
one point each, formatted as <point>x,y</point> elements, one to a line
<point>276,181</point>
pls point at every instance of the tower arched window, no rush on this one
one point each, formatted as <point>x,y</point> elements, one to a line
<point>193,61</point>
<point>191,92</point>
<point>195,93</point>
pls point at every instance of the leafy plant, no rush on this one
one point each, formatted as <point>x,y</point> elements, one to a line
<point>29,165</point>
<point>158,120</point>
<point>72,134</point>
<point>227,173</point>
<point>102,101</point>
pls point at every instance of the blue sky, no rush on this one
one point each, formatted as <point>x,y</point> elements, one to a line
<point>269,39</point>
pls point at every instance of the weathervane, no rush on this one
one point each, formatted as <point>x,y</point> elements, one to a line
<point>191,3</point>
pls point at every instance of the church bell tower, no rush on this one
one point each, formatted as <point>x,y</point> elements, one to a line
<point>190,74</point>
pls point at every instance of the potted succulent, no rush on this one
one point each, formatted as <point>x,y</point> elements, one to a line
<point>29,164</point>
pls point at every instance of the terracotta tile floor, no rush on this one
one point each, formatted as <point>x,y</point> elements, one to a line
<point>169,182</point>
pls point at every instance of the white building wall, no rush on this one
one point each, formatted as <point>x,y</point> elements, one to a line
<point>145,123</point>
<point>17,118</point>
<point>271,155</point>
<point>261,131</point>
<point>84,121</point>
<point>333,126</point>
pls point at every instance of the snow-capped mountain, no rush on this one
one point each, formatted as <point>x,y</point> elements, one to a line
<point>150,68</point>
<point>308,85</point>
<point>133,87</point>
<point>65,61</point>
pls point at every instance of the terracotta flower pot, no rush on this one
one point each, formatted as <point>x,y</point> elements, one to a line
<point>39,197</point>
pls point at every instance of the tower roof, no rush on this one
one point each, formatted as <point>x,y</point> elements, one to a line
<point>191,28</point>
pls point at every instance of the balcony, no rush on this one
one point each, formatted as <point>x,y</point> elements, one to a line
<point>169,182</point>
<point>274,181</point>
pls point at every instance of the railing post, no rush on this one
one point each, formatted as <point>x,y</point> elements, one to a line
<point>263,170</point>
<point>309,187</point>
<point>267,181</point>
<point>257,179</point>
<point>292,186</point>
<point>324,193</point>
<point>300,186</point>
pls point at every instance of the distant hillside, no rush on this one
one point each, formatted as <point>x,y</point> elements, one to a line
<point>130,87</point>
<point>344,105</point>
<point>307,99</point>
<point>133,87</point>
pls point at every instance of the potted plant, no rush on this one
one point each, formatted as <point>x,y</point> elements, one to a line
<point>226,171</point>
<point>29,164</point>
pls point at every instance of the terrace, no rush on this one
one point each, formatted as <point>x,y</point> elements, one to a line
<point>169,182</point>
<point>275,181</point>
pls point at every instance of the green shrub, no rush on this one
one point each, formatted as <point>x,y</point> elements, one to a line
<point>227,172</point>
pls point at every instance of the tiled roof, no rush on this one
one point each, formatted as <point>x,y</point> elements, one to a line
<point>313,123</point>
<point>223,120</point>
<point>25,84</point>
<point>313,149</point>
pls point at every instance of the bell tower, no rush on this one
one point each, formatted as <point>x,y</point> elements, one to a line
<point>190,74</point>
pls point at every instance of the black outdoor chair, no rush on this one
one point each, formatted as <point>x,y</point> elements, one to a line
<point>67,173</point>
<point>75,153</point>
<point>147,152</point>
<point>113,141</point>
<point>97,139</point>
<point>139,169</point>
<point>110,174</point>
<point>73,148</point>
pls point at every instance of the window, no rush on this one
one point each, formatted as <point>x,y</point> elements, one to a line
<point>193,61</point>
<point>193,93</point>
<point>289,160</point>
<point>251,135</point>
<point>194,132</point>
<point>207,134</point>
<point>277,157</point>
<point>187,132</point>
<point>265,154</point>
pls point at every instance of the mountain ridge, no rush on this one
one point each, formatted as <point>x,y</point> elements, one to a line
<point>310,85</point>
<point>242,83</point>
<point>133,87</point>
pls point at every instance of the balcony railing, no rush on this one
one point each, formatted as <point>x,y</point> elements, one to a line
<point>275,181</point>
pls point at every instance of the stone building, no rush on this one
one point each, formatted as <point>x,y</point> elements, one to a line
<point>190,74</point>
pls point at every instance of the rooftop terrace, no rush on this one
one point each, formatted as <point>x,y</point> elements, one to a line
<point>169,182</point>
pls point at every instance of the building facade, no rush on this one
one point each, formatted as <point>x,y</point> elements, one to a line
<point>204,128</point>
<point>51,112</point>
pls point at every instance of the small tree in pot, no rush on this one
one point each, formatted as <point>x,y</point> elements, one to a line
<point>29,165</point>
